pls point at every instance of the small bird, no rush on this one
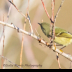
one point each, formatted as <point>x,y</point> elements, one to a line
<point>62,37</point>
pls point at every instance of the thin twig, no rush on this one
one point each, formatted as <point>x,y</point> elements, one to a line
<point>3,33</point>
<point>17,9</point>
<point>58,10</point>
<point>53,20</point>
<point>21,50</point>
<point>7,17</point>
<point>30,24</point>
<point>53,30</point>
<point>37,32</point>
<point>3,43</point>
<point>9,12</point>
<point>53,10</point>
<point>28,18</point>
<point>46,10</point>
<point>52,23</point>
<point>69,57</point>
<point>21,53</point>
<point>11,62</point>
<point>23,36</point>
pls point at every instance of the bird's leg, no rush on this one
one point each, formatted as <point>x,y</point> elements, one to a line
<point>58,45</point>
<point>62,47</point>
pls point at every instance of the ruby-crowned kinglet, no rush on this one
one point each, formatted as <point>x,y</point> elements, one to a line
<point>61,36</point>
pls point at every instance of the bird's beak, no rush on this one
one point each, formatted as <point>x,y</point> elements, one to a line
<point>39,23</point>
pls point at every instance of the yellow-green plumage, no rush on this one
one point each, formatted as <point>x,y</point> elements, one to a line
<point>61,36</point>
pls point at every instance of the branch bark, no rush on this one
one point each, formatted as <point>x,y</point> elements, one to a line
<point>69,57</point>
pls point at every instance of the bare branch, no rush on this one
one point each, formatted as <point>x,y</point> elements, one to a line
<point>28,18</point>
<point>3,42</point>
<point>46,10</point>
<point>11,62</point>
<point>17,9</point>
<point>52,29</point>
<point>30,24</point>
<point>9,12</point>
<point>23,36</point>
<point>57,55</point>
<point>53,25</point>
<point>58,10</point>
<point>4,33</point>
<point>69,57</point>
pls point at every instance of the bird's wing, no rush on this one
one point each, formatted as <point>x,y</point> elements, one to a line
<point>62,33</point>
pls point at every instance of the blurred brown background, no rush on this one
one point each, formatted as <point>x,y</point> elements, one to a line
<point>34,53</point>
